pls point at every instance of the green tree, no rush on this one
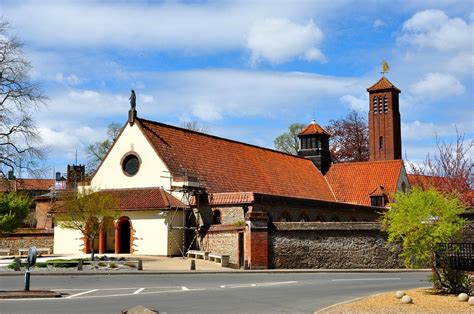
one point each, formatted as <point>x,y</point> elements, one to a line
<point>288,141</point>
<point>96,152</point>
<point>418,221</point>
<point>87,212</point>
<point>14,209</point>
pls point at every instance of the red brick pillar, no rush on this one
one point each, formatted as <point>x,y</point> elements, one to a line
<point>101,241</point>
<point>117,238</point>
<point>256,240</point>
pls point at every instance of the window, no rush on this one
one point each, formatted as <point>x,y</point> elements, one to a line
<point>381,142</point>
<point>377,201</point>
<point>380,104</point>
<point>313,142</point>
<point>320,218</point>
<point>284,218</point>
<point>216,217</point>
<point>385,104</point>
<point>303,218</point>
<point>130,165</point>
<point>375,104</point>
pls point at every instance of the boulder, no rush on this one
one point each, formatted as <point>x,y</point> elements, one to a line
<point>399,294</point>
<point>463,297</point>
<point>471,301</point>
<point>407,299</point>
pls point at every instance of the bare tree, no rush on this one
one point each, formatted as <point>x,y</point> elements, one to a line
<point>195,126</point>
<point>96,152</point>
<point>450,170</point>
<point>288,141</point>
<point>19,99</point>
<point>349,138</point>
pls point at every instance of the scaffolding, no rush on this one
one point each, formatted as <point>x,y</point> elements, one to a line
<point>185,188</point>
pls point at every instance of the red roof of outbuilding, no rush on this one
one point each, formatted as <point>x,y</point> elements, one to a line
<point>26,185</point>
<point>223,165</point>
<point>313,128</point>
<point>144,198</point>
<point>353,182</point>
<point>383,83</point>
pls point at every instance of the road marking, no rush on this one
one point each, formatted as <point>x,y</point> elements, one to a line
<point>364,279</point>
<point>258,284</point>
<point>184,288</point>
<point>139,290</point>
<point>81,293</point>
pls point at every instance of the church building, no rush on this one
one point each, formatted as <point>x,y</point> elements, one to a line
<point>180,190</point>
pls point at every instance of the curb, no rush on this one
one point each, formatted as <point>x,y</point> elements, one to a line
<point>198,272</point>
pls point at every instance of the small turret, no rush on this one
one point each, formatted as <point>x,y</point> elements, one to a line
<point>314,145</point>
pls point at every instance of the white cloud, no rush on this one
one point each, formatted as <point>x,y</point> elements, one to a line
<point>436,85</point>
<point>71,79</point>
<point>434,29</point>
<point>357,104</point>
<point>279,40</point>
<point>169,25</point>
<point>206,111</point>
<point>378,23</point>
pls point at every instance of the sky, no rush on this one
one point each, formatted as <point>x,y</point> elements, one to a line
<point>244,69</point>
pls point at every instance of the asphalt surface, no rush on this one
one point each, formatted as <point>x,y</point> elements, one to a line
<point>204,293</point>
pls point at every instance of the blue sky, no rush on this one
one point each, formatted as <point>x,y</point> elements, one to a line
<point>245,69</point>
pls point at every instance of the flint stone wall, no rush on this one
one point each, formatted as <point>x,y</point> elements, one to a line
<point>331,245</point>
<point>223,240</point>
<point>23,239</point>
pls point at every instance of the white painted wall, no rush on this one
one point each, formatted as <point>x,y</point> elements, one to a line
<point>152,233</point>
<point>67,241</point>
<point>152,169</point>
<point>151,230</point>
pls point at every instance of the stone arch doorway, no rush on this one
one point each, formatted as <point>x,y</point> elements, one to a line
<point>123,236</point>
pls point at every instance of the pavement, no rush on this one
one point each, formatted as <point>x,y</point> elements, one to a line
<point>163,264</point>
<point>228,293</point>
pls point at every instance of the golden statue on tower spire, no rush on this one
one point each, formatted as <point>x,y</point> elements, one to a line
<point>385,67</point>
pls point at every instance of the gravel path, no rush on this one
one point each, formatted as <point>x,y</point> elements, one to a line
<point>424,301</point>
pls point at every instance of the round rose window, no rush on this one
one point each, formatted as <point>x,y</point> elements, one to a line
<point>130,165</point>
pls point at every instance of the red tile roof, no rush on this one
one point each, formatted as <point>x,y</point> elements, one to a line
<point>382,84</point>
<point>313,128</point>
<point>26,185</point>
<point>353,182</point>
<point>223,165</point>
<point>144,198</point>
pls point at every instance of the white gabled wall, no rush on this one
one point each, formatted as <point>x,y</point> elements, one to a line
<point>152,172</point>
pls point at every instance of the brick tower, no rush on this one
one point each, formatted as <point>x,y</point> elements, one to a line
<point>385,141</point>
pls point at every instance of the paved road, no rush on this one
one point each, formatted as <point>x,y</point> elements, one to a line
<point>205,293</point>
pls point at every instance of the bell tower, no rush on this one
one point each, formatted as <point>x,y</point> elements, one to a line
<point>385,141</point>
<point>314,145</point>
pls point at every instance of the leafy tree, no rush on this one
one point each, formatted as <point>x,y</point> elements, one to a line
<point>288,141</point>
<point>195,126</point>
<point>19,99</point>
<point>96,152</point>
<point>418,221</point>
<point>349,138</point>
<point>14,209</point>
<point>87,212</point>
<point>449,171</point>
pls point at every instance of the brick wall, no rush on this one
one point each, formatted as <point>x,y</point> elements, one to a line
<point>329,245</point>
<point>24,239</point>
<point>223,240</point>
